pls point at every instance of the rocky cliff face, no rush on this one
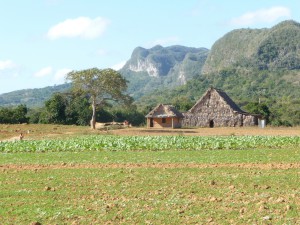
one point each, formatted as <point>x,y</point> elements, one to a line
<point>144,65</point>
<point>157,67</point>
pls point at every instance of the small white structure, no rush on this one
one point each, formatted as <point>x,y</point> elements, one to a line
<point>261,123</point>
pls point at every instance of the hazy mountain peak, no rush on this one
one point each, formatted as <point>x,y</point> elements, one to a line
<point>159,61</point>
<point>148,69</point>
<point>156,48</point>
<point>287,23</point>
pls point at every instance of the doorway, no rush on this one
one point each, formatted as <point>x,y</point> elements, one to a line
<point>211,124</point>
<point>151,122</point>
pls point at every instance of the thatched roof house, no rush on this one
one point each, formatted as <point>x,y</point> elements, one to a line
<point>164,116</point>
<point>216,109</point>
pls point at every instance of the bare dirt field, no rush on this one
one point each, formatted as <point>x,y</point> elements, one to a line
<point>41,131</point>
<point>48,131</point>
<point>220,131</point>
<point>267,166</point>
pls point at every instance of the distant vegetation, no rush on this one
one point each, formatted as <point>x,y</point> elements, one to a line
<point>272,49</point>
<point>258,68</point>
<point>74,108</point>
<point>14,115</point>
<point>31,97</point>
<point>252,66</point>
<point>271,88</point>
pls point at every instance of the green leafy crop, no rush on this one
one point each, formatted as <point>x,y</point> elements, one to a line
<point>149,143</point>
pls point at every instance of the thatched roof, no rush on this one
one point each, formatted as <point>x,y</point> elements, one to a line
<point>222,95</point>
<point>164,111</point>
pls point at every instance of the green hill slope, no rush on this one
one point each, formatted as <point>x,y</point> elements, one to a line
<point>274,48</point>
<point>261,65</point>
<point>31,97</point>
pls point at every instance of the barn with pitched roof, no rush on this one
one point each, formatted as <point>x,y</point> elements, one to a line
<point>164,116</point>
<point>216,109</point>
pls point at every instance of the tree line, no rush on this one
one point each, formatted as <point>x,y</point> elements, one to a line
<point>273,94</point>
<point>75,109</point>
<point>70,109</point>
<point>100,95</point>
<point>97,95</point>
<point>14,115</point>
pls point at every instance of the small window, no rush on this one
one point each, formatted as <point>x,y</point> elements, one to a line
<point>163,120</point>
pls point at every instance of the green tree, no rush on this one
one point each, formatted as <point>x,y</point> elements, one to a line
<point>14,115</point>
<point>101,85</point>
<point>78,108</point>
<point>55,109</point>
<point>286,112</point>
<point>258,108</point>
<point>182,103</point>
<point>63,108</point>
<point>131,114</point>
<point>19,114</point>
<point>34,115</point>
<point>5,115</point>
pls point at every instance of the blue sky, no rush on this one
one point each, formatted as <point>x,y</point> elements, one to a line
<point>42,40</point>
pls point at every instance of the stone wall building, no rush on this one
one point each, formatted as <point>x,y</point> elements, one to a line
<point>216,109</point>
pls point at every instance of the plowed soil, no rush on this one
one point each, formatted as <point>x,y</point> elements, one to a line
<point>269,166</point>
<point>220,131</point>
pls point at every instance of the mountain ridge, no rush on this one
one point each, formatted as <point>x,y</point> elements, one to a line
<point>162,67</point>
<point>268,48</point>
<point>33,97</point>
<point>242,62</point>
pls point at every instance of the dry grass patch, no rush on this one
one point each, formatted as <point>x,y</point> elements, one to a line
<point>41,131</point>
<point>49,131</point>
<point>218,131</point>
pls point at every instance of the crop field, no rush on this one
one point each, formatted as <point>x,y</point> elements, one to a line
<point>71,175</point>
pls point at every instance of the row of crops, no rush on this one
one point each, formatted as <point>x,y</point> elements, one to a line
<point>150,143</point>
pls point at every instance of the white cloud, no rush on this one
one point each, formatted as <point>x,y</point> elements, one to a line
<point>164,41</point>
<point>44,72</point>
<point>262,16</point>
<point>61,74</point>
<point>7,64</point>
<point>119,65</point>
<point>83,27</point>
<point>56,75</point>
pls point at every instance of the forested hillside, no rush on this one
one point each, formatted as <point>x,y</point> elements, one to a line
<point>252,66</point>
<point>272,49</point>
<point>31,97</point>
<point>258,68</point>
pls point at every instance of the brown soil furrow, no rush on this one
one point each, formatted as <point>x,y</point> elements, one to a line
<point>150,165</point>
